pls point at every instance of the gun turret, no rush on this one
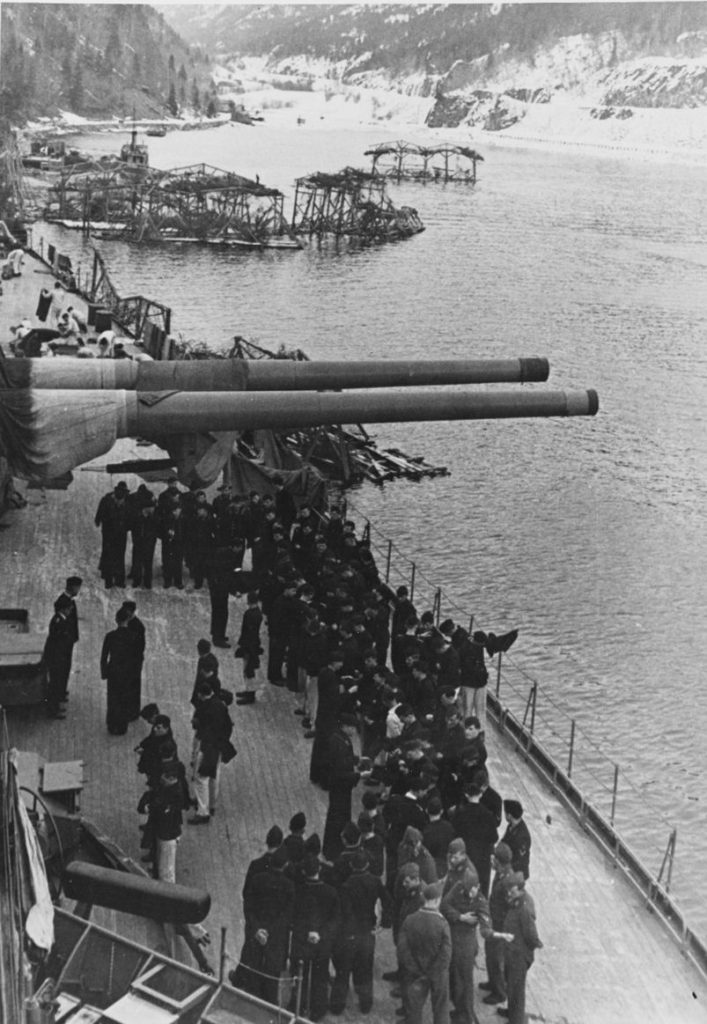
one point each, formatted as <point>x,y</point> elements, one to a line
<point>47,433</point>
<point>263,374</point>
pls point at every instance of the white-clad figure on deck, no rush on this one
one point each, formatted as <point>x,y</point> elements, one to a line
<point>15,260</point>
<point>58,301</point>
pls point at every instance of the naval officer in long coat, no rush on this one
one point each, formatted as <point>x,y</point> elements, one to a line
<point>117,660</point>
<point>67,601</point>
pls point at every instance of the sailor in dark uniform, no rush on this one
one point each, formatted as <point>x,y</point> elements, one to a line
<point>112,517</point>
<point>268,908</point>
<point>206,666</point>
<point>67,600</point>
<point>116,662</point>
<point>172,535</point>
<point>355,948</point>
<point>219,571</point>
<point>145,531</point>
<point>249,647</point>
<point>517,837</point>
<point>57,659</point>
<point>273,842</point>
<point>315,923</point>
<point>329,702</point>
<point>342,777</point>
<point>136,628</point>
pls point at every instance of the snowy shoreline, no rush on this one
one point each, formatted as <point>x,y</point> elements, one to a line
<point>565,124</point>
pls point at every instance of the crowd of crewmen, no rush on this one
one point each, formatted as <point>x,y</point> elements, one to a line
<point>384,693</point>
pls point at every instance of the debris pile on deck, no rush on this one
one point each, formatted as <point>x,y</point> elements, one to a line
<point>407,161</point>
<point>346,455</point>
<point>351,203</point>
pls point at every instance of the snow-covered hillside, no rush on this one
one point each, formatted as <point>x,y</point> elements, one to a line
<point>571,117</point>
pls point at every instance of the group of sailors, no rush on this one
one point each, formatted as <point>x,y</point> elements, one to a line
<point>206,540</point>
<point>390,698</point>
<point>427,838</point>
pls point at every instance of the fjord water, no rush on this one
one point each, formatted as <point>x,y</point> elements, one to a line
<point>588,535</point>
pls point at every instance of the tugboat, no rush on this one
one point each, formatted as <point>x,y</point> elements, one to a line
<point>134,153</point>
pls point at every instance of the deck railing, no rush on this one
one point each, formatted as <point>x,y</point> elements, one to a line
<point>140,317</point>
<point>590,783</point>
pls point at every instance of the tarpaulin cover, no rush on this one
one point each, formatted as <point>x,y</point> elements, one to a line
<point>305,483</point>
<point>46,434</point>
<point>15,373</point>
<point>199,457</point>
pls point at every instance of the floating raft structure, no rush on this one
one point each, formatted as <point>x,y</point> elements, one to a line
<point>197,203</point>
<point>94,192</point>
<point>407,161</point>
<point>351,203</point>
<point>203,203</point>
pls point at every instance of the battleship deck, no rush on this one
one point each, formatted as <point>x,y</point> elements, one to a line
<point>606,958</point>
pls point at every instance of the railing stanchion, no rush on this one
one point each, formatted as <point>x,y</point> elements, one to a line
<point>498,673</point>
<point>613,794</point>
<point>437,605</point>
<point>533,703</point>
<point>673,840</point>
<point>222,956</point>
<point>388,560</point>
<point>571,756</point>
<point>412,583</point>
<point>668,858</point>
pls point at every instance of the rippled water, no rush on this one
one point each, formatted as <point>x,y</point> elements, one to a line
<point>587,535</point>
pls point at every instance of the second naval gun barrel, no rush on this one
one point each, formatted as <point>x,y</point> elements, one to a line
<point>265,374</point>
<point>199,411</point>
<point>49,433</point>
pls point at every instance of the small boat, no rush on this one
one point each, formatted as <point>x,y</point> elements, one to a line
<point>243,116</point>
<point>157,132</point>
<point>134,153</point>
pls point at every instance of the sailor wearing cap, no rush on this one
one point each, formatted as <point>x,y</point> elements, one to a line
<point>112,517</point>
<point>495,946</point>
<point>517,836</point>
<point>425,954</point>
<point>465,907</point>
<point>343,776</point>
<point>521,933</point>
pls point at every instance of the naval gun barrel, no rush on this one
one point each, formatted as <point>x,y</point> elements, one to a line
<point>49,433</point>
<point>264,374</point>
<point>200,411</point>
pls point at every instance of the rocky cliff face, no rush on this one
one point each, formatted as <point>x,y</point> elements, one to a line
<point>600,70</point>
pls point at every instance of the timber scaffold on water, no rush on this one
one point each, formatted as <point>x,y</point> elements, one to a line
<point>352,204</point>
<point>408,161</point>
<point>197,203</point>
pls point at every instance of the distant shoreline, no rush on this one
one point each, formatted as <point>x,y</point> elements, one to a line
<point>654,134</point>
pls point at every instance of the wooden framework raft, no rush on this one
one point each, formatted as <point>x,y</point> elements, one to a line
<point>408,161</point>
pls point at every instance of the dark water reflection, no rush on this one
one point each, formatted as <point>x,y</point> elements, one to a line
<point>588,535</point>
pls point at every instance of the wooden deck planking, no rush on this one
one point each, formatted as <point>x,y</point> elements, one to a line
<point>605,959</point>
